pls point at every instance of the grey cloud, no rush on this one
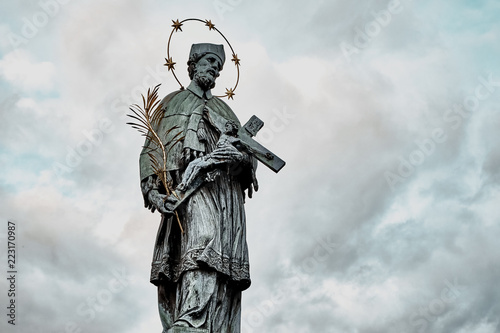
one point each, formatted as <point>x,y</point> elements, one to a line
<point>337,147</point>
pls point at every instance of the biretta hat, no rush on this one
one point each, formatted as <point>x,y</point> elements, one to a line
<point>215,49</point>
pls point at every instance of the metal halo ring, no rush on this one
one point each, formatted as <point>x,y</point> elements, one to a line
<point>170,63</point>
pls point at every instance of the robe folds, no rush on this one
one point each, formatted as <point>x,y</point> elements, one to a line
<point>213,218</point>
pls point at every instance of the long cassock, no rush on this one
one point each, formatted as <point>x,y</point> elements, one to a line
<point>199,273</point>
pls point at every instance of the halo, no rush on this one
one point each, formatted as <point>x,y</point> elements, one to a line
<point>208,23</point>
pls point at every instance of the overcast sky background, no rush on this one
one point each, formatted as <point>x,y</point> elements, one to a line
<point>384,219</point>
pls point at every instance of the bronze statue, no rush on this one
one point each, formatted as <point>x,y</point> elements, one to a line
<point>200,272</point>
<point>200,261</point>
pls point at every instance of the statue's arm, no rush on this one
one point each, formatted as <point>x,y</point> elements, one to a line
<point>147,185</point>
<point>241,164</point>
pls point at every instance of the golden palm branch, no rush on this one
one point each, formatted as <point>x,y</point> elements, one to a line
<point>147,120</point>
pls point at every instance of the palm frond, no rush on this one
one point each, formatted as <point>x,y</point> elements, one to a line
<point>146,120</point>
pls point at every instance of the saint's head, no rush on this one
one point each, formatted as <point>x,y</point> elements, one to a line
<point>204,64</point>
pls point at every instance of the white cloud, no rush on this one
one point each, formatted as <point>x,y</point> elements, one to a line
<point>21,71</point>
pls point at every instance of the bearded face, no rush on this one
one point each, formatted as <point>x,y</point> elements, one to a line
<point>206,71</point>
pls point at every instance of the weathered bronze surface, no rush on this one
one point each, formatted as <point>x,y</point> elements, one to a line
<point>201,269</point>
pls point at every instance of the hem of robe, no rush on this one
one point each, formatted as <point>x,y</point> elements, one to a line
<point>235,270</point>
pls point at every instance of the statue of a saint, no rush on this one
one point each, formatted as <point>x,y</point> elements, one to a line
<point>200,271</point>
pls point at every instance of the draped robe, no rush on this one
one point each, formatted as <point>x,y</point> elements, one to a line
<point>211,256</point>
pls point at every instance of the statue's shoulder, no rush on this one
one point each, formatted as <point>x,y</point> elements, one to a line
<point>223,109</point>
<point>218,101</point>
<point>167,99</point>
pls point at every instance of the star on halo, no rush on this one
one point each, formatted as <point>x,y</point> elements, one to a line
<point>177,25</point>
<point>235,59</point>
<point>209,24</point>
<point>230,93</point>
<point>170,63</point>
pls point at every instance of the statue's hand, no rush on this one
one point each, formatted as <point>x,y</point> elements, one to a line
<point>169,203</point>
<point>227,154</point>
<point>254,185</point>
<point>159,202</point>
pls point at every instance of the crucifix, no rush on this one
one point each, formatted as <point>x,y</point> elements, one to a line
<point>242,140</point>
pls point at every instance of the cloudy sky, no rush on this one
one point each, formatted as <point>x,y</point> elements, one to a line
<point>387,113</point>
